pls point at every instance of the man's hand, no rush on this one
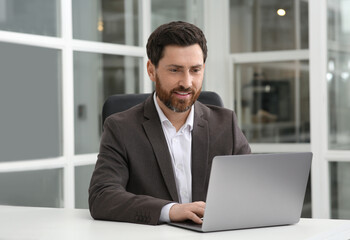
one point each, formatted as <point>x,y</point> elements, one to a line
<point>187,211</point>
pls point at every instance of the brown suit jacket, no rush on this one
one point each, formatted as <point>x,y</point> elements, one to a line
<point>133,177</point>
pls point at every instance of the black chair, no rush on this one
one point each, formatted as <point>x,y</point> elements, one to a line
<point>121,102</point>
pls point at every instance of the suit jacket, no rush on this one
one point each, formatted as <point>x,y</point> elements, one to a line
<point>133,177</point>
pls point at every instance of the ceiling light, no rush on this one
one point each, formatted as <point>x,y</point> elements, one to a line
<point>329,76</point>
<point>331,65</point>
<point>345,75</point>
<point>100,26</point>
<point>281,12</point>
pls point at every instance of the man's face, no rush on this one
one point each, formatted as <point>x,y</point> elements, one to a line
<point>179,76</point>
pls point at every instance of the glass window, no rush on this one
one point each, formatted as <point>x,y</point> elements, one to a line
<point>82,181</point>
<point>304,24</point>
<point>340,190</point>
<point>268,25</point>
<point>338,75</point>
<point>164,11</point>
<point>36,16</point>
<point>96,77</point>
<point>41,188</point>
<point>112,21</point>
<point>272,101</point>
<point>30,102</point>
<point>338,23</point>
<point>338,84</point>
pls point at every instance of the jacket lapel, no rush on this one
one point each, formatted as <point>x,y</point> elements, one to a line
<point>156,137</point>
<point>200,152</point>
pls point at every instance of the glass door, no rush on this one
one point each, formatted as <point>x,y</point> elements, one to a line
<point>338,89</point>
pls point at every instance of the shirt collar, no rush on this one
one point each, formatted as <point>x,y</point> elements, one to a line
<point>163,118</point>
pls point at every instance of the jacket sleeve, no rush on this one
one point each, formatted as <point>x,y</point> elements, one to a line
<point>108,198</point>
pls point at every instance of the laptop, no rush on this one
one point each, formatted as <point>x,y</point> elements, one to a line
<point>255,190</point>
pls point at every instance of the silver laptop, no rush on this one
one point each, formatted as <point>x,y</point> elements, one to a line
<point>256,190</point>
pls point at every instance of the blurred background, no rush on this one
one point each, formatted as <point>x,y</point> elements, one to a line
<point>282,66</point>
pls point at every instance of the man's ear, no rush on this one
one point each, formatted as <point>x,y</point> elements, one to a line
<point>151,70</point>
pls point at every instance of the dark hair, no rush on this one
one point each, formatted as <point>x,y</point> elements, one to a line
<point>174,33</point>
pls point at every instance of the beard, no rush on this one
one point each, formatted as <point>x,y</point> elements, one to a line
<point>173,103</point>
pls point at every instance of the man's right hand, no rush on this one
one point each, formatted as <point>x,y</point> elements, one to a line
<point>188,211</point>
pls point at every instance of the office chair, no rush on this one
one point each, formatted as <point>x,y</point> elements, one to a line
<point>121,102</point>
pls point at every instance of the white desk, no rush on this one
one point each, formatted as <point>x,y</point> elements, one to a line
<point>64,224</point>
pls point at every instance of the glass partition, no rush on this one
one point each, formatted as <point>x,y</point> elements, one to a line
<point>338,75</point>
<point>338,78</point>
<point>272,101</point>
<point>82,182</point>
<point>96,77</point>
<point>340,190</point>
<point>40,188</point>
<point>107,21</point>
<point>164,11</point>
<point>35,16</point>
<point>30,102</point>
<point>338,84</point>
<point>268,25</point>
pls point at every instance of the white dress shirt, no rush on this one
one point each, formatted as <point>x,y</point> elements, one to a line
<point>180,146</point>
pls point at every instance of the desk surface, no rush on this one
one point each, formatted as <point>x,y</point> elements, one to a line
<point>52,223</point>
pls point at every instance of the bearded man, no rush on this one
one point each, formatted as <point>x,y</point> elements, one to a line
<point>155,158</point>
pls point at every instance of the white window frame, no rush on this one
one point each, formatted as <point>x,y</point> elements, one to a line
<point>318,115</point>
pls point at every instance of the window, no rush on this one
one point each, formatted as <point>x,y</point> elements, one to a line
<point>30,100</point>
<point>35,17</point>
<point>272,101</point>
<point>340,194</point>
<point>17,188</point>
<point>337,84</point>
<point>107,21</point>
<point>97,76</point>
<point>268,25</point>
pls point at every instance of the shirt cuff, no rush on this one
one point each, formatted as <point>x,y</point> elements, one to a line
<point>164,214</point>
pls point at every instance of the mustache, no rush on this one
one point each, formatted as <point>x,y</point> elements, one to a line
<point>183,89</point>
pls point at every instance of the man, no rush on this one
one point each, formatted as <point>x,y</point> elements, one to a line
<point>155,158</point>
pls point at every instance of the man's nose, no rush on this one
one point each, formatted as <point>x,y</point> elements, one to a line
<point>186,80</point>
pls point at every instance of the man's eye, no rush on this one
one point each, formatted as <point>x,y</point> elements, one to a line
<point>196,70</point>
<point>173,70</point>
